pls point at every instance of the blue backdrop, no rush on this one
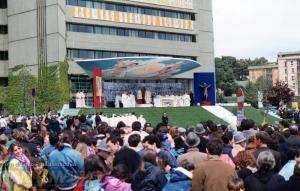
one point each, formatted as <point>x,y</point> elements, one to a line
<point>208,78</point>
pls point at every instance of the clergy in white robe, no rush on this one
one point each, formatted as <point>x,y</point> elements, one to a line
<point>132,100</point>
<point>148,97</point>
<point>124,100</point>
<point>187,100</point>
<point>78,100</point>
<point>117,101</point>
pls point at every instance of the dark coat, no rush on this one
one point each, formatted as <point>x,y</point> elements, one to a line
<point>244,173</point>
<point>262,181</point>
<point>128,157</point>
<point>227,150</point>
<point>292,184</point>
<point>294,141</point>
<point>152,179</point>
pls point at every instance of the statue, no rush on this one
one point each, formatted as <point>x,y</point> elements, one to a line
<point>205,87</point>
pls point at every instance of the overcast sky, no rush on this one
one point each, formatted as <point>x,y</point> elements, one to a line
<point>256,28</point>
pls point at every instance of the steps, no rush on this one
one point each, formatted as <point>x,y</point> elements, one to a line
<point>67,111</point>
<point>222,113</point>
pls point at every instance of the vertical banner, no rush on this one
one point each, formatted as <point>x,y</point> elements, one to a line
<point>205,88</point>
<point>240,115</point>
<point>97,86</point>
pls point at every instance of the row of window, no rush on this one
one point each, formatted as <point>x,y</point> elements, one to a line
<point>3,29</point>
<point>3,55</point>
<point>95,54</point>
<point>130,32</point>
<point>131,9</point>
<point>3,4</point>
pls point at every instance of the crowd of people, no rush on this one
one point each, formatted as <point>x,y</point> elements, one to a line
<point>84,153</point>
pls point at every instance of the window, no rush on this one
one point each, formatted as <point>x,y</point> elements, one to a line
<point>3,55</point>
<point>3,4</point>
<point>121,32</point>
<point>142,34</point>
<point>285,64</point>
<point>82,3</point>
<point>293,70</point>
<point>293,77</point>
<point>86,54</point>
<point>129,32</point>
<point>285,71</point>
<point>90,54</point>
<point>149,35</point>
<point>3,29</point>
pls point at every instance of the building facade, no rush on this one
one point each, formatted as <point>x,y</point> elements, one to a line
<point>268,72</point>
<point>289,69</point>
<point>37,32</point>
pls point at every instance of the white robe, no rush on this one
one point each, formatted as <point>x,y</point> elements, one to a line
<point>187,100</point>
<point>117,101</point>
<point>148,97</point>
<point>139,94</point>
<point>124,100</point>
<point>78,100</point>
<point>132,100</point>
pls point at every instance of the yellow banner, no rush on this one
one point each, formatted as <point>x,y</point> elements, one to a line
<point>187,4</point>
<point>131,18</point>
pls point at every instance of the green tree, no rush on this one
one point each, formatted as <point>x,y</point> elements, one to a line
<point>280,92</point>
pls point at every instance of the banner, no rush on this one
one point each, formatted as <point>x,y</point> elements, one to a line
<point>186,4</point>
<point>240,106</point>
<point>131,18</point>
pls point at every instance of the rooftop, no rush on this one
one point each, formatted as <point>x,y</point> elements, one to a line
<point>282,54</point>
<point>263,66</point>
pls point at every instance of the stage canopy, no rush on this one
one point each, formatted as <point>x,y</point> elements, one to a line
<point>138,67</point>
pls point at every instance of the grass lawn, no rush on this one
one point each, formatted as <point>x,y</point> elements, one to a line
<point>254,114</point>
<point>178,116</point>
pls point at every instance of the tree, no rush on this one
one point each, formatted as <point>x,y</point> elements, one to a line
<point>280,92</point>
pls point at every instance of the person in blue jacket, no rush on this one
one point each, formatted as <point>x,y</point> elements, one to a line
<point>181,178</point>
<point>65,164</point>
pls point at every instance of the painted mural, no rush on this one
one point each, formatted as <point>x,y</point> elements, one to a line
<point>139,67</point>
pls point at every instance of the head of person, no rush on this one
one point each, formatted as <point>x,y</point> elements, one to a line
<point>294,129</point>
<point>82,149</point>
<point>20,135</point>
<point>284,124</point>
<point>262,138</point>
<point>265,161</point>
<point>103,150</point>
<point>151,142</point>
<point>114,143</point>
<point>293,154</point>
<point>211,126</point>
<point>297,169</point>
<point>240,139</point>
<point>134,140</point>
<point>227,137</point>
<point>53,138</point>
<point>192,140</point>
<point>214,147</point>
<point>95,168</point>
<point>136,126</point>
<point>244,159</point>
<point>121,124</point>
<point>16,149</point>
<point>38,165</point>
<point>164,165</point>
<point>121,172</point>
<point>247,124</point>
<point>67,137</point>
<point>150,156</point>
<point>236,184</point>
<point>187,165</point>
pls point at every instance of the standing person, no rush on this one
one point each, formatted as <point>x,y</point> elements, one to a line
<point>293,183</point>
<point>97,119</point>
<point>123,155</point>
<point>265,178</point>
<point>94,171</point>
<point>261,140</point>
<point>200,131</point>
<point>16,173</point>
<point>47,149</point>
<point>117,179</point>
<point>148,176</point>
<point>214,174</point>
<point>65,164</point>
<point>193,155</point>
<point>239,143</point>
<point>165,119</point>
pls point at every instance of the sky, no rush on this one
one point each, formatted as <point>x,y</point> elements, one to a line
<point>256,28</point>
